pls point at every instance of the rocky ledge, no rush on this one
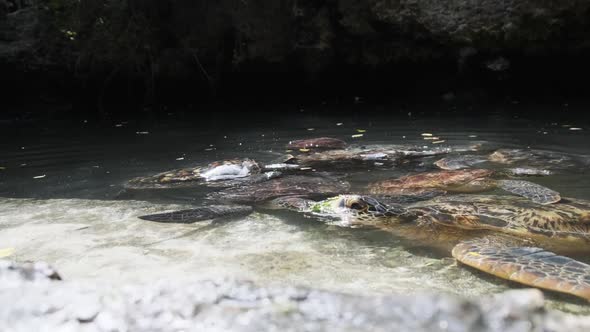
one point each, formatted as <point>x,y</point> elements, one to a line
<point>33,298</point>
<point>163,48</point>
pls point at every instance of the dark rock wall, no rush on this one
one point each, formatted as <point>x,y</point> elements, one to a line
<point>156,50</point>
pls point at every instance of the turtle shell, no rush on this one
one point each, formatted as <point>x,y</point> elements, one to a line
<point>290,185</point>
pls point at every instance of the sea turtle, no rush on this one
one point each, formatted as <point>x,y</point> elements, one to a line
<point>238,200</point>
<point>507,236</point>
<point>467,161</point>
<point>464,180</point>
<point>370,155</point>
<point>519,162</point>
<point>216,174</point>
<point>317,143</point>
<point>533,157</point>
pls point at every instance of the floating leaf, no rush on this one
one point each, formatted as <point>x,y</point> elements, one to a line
<point>361,131</point>
<point>6,252</point>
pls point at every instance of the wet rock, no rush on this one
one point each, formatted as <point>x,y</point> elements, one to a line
<point>227,305</point>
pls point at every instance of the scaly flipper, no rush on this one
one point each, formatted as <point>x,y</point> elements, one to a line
<point>527,265</point>
<point>535,192</point>
<point>200,213</point>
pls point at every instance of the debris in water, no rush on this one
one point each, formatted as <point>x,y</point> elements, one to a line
<point>310,129</point>
<point>39,176</point>
<point>438,142</point>
<point>472,136</point>
<point>304,150</point>
<point>2,168</point>
<point>142,132</point>
<point>339,124</point>
<point>305,168</point>
<point>575,128</point>
<point>426,134</point>
<point>361,131</point>
<point>118,125</point>
<point>180,158</point>
<point>357,135</point>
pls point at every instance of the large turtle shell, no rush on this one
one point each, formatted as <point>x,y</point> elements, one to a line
<point>510,214</point>
<point>430,180</point>
<point>542,159</point>
<point>290,185</point>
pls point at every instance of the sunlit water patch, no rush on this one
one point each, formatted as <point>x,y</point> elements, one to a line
<point>105,241</point>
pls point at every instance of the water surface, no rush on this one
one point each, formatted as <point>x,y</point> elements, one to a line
<point>62,198</point>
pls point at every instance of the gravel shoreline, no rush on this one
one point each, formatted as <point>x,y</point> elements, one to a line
<point>34,298</point>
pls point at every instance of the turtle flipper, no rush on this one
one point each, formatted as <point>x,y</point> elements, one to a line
<point>535,192</point>
<point>200,213</point>
<point>294,203</point>
<point>527,265</point>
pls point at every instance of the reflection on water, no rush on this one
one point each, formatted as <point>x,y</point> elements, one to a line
<point>63,202</point>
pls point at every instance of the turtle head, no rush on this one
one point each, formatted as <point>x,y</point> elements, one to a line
<point>357,208</point>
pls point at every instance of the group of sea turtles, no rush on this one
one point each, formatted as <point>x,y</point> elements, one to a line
<point>516,237</point>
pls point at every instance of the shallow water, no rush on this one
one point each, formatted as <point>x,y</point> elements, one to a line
<point>63,201</point>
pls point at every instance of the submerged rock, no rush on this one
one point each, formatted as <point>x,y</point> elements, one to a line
<point>227,305</point>
<point>27,271</point>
